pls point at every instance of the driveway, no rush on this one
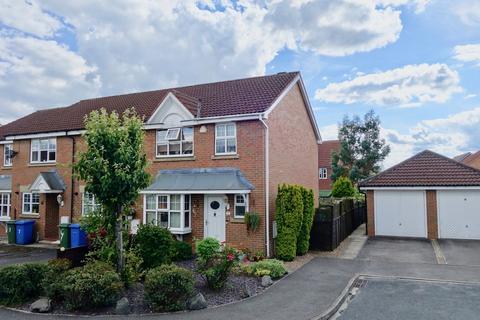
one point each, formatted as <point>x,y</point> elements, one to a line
<point>11,254</point>
<point>398,251</point>
<point>461,252</point>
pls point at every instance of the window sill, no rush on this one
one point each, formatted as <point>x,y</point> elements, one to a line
<point>238,220</point>
<point>180,231</point>
<point>179,158</point>
<point>29,216</point>
<point>43,164</point>
<point>226,157</point>
<point>5,219</point>
<point>7,168</point>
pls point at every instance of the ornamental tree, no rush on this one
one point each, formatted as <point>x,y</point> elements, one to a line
<point>113,166</point>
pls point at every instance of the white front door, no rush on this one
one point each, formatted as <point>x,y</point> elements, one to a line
<point>214,217</point>
<point>459,214</point>
<point>400,213</point>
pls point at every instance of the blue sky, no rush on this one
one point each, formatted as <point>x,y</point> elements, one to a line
<point>415,62</point>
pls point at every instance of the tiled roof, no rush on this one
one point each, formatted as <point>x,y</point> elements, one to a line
<point>426,169</point>
<point>471,159</point>
<point>462,156</point>
<point>325,151</point>
<point>234,97</point>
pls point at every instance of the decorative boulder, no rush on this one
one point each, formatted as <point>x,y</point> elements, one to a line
<point>266,281</point>
<point>247,291</point>
<point>42,305</point>
<point>197,302</point>
<point>123,306</point>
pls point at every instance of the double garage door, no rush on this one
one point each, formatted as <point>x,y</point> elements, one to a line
<point>403,213</point>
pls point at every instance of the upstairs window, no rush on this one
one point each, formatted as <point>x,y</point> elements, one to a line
<point>225,138</point>
<point>175,142</point>
<point>8,155</point>
<point>241,205</point>
<point>43,150</point>
<point>31,203</point>
<point>89,203</point>
<point>323,173</point>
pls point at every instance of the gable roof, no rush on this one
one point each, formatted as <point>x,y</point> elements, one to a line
<point>225,98</point>
<point>48,181</point>
<point>325,152</point>
<point>426,169</point>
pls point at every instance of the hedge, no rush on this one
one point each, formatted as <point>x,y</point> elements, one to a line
<point>21,283</point>
<point>303,240</point>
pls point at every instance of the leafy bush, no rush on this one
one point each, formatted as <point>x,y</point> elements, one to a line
<point>94,285</point>
<point>207,248</point>
<point>168,287</point>
<point>289,217</point>
<point>154,245</point>
<point>252,219</point>
<point>182,251</point>
<point>56,268</point>
<point>133,267</point>
<point>218,267</point>
<point>303,240</point>
<point>21,283</point>
<point>343,187</point>
<point>275,268</point>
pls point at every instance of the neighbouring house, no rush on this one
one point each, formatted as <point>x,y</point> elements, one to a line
<point>470,159</point>
<point>325,150</point>
<point>426,196</point>
<point>216,151</point>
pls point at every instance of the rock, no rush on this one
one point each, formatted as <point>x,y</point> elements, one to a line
<point>42,305</point>
<point>247,291</point>
<point>197,302</point>
<point>266,281</point>
<point>123,306</point>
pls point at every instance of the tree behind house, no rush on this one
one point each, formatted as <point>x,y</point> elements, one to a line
<point>361,150</point>
<point>113,166</point>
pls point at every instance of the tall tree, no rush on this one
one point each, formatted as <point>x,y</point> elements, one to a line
<point>362,150</point>
<point>113,166</point>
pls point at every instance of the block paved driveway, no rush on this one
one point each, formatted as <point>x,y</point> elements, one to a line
<point>311,290</point>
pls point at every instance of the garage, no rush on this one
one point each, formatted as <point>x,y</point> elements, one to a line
<point>459,214</point>
<point>426,196</point>
<point>400,213</point>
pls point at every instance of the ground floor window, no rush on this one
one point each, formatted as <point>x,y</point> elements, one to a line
<point>241,205</point>
<point>31,203</point>
<point>89,203</point>
<point>5,205</point>
<point>170,211</point>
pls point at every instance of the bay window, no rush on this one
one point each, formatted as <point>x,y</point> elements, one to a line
<point>225,138</point>
<point>170,211</point>
<point>241,205</point>
<point>7,155</point>
<point>31,203</point>
<point>43,150</point>
<point>5,205</point>
<point>175,142</point>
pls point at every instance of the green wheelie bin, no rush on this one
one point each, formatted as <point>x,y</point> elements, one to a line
<point>64,235</point>
<point>11,231</point>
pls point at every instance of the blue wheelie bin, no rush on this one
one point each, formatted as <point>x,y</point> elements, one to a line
<point>78,237</point>
<point>24,231</point>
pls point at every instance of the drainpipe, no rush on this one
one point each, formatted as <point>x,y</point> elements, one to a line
<point>73,179</point>
<point>267,187</point>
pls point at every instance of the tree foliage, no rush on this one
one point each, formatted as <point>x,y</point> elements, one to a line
<point>343,188</point>
<point>362,150</point>
<point>303,240</point>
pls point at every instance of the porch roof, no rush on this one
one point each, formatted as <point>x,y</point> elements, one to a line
<point>200,180</point>
<point>5,183</point>
<point>48,182</point>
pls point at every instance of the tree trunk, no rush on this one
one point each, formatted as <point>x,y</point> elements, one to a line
<point>119,241</point>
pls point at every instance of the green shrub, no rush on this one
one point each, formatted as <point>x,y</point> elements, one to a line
<point>207,248</point>
<point>154,245</point>
<point>276,268</point>
<point>133,267</point>
<point>21,283</point>
<point>182,251</point>
<point>94,285</point>
<point>168,287</point>
<point>303,240</point>
<point>218,267</point>
<point>56,270</point>
<point>286,248</point>
<point>342,188</point>
<point>252,219</point>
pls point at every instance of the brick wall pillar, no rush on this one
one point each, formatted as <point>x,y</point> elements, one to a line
<point>370,213</point>
<point>432,219</point>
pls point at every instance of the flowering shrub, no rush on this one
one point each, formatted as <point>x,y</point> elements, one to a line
<point>216,265</point>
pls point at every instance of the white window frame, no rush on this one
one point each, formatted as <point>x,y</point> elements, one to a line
<point>177,139</point>
<point>323,173</point>
<point>49,150</point>
<point>7,156</point>
<point>30,204</point>
<point>244,204</point>
<point>94,205</point>
<point>168,210</point>
<point>225,138</point>
<point>5,208</point>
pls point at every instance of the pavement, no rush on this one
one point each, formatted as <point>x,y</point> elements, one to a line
<point>315,287</point>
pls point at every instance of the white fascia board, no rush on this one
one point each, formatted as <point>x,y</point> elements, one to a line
<point>196,192</point>
<point>154,126</point>
<point>76,132</point>
<point>170,94</point>
<point>5,191</point>
<point>5,142</point>
<point>421,188</point>
<point>232,118</point>
<point>37,135</point>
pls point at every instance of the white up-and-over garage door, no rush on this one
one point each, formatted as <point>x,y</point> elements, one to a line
<point>458,214</point>
<point>400,213</point>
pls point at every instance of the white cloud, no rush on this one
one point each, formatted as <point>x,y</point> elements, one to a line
<point>468,11</point>
<point>418,5</point>
<point>329,132</point>
<point>408,86</point>
<point>468,53</point>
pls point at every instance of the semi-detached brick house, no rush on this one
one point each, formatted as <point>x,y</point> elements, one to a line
<point>325,150</point>
<point>216,151</point>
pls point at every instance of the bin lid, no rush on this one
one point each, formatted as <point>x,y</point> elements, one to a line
<point>64,225</point>
<point>25,221</point>
<point>74,225</point>
<point>11,221</point>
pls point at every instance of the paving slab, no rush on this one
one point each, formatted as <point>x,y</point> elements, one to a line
<point>398,250</point>
<point>407,299</point>
<point>461,252</point>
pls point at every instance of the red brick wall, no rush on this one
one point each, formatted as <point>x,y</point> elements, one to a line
<point>293,147</point>
<point>370,213</point>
